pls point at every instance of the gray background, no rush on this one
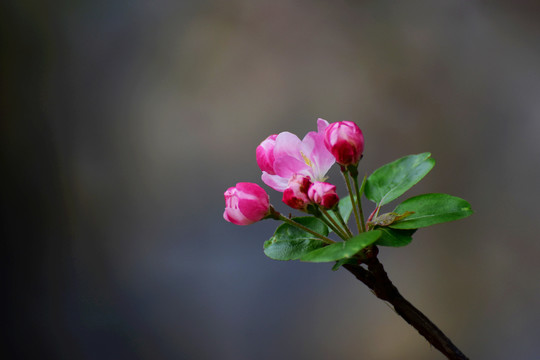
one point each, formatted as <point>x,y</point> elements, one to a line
<point>125,121</point>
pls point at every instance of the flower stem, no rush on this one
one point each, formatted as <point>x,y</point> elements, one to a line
<point>343,223</point>
<point>333,228</point>
<point>306,229</point>
<point>345,173</point>
<point>359,192</point>
<point>334,225</point>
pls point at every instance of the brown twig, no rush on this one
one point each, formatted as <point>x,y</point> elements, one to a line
<point>377,280</point>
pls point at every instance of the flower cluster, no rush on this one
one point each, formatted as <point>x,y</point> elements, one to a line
<point>298,169</point>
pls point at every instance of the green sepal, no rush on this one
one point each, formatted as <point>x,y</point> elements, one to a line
<point>345,249</point>
<point>391,180</point>
<point>431,209</point>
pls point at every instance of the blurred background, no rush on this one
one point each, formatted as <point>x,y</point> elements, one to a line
<point>123,122</point>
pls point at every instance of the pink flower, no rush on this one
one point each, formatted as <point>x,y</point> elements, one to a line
<point>265,154</point>
<point>323,194</point>
<point>307,157</point>
<point>345,141</point>
<point>246,203</point>
<point>296,194</point>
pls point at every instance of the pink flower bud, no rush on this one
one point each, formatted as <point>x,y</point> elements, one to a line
<point>323,194</point>
<point>246,203</point>
<point>265,154</point>
<point>296,194</point>
<point>345,141</point>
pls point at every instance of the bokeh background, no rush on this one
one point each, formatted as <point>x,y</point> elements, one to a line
<point>123,122</point>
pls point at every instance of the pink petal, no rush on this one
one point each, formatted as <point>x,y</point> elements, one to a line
<point>287,144</point>
<point>252,209</point>
<point>253,201</point>
<point>296,194</point>
<point>235,216</point>
<point>287,166</point>
<point>253,191</point>
<point>315,150</point>
<point>322,125</point>
<point>265,154</point>
<point>276,182</point>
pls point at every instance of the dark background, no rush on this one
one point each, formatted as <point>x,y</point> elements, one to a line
<point>123,122</point>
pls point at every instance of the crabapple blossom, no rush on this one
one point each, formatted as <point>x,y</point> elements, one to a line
<point>296,194</point>
<point>307,157</point>
<point>246,203</point>
<point>345,141</point>
<point>323,194</point>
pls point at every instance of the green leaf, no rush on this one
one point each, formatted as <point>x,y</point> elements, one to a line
<point>345,249</point>
<point>342,262</point>
<point>431,209</point>
<point>394,237</point>
<point>291,243</point>
<point>392,180</point>
<point>345,207</point>
<point>291,249</point>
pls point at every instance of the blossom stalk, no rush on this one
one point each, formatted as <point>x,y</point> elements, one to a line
<point>306,229</point>
<point>342,221</point>
<point>334,225</point>
<point>359,192</point>
<point>345,173</point>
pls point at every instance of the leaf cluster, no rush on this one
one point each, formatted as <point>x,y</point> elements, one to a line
<point>391,229</point>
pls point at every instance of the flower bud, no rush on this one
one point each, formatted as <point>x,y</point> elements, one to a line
<point>296,194</point>
<point>345,141</point>
<point>246,203</point>
<point>323,194</point>
<point>265,154</point>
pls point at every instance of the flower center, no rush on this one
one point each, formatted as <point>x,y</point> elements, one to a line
<point>306,160</point>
